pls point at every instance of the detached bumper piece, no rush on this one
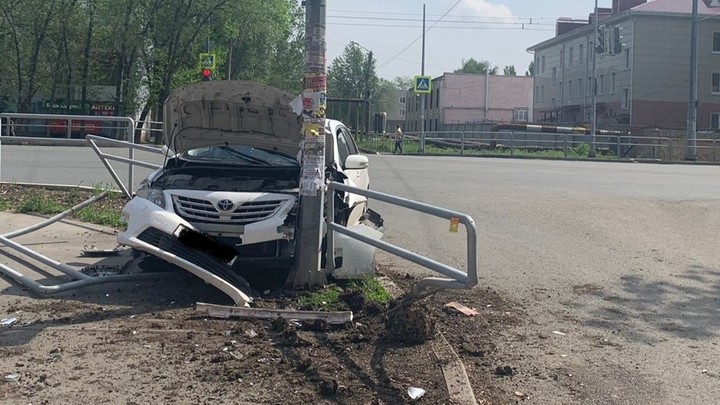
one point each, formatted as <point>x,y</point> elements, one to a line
<point>167,236</point>
<point>198,249</point>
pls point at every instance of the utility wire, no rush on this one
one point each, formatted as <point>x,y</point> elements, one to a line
<point>418,38</point>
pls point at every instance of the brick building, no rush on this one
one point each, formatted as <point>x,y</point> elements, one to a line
<point>470,102</point>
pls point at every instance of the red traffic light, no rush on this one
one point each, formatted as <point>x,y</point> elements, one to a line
<point>207,74</point>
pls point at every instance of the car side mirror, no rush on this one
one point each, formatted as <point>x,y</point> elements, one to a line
<point>357,162</point>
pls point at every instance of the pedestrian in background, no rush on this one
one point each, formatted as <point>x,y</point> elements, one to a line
<point>398,140</point>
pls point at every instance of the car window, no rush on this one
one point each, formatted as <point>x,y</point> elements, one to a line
<point>343,147</point>
<point>240,154</point>
<point>350,141</point>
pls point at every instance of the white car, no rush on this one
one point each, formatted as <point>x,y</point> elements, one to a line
<point>229,187</point>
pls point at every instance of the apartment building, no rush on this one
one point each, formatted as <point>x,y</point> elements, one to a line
<point>643,68</point>
<point>470,102</point>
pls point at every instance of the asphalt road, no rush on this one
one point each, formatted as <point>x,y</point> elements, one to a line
<point>620,258</point>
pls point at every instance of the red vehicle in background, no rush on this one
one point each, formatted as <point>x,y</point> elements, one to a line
<point>79,128</point>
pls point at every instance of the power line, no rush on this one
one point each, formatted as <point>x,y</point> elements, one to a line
<point>443,22</point>
<point>449,27</point>
<point>444,69</point>
<point>418,38</point>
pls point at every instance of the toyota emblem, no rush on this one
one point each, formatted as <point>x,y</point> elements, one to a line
<point>225,205</point>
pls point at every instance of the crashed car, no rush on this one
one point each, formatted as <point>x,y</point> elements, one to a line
<point>229,188</point>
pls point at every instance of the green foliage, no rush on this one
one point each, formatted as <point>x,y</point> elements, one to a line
<point>473,66</point>
<point>101,216</point>
<point>144,48</point>
<point>4,204</point>
<point>582,150</point>
<point>40,205</point>
<point>374,291</point>
<point>531,69</point>
<point>329,297</point>
<point>509,71</point>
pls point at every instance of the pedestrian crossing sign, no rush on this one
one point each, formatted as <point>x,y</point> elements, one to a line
<point>423,84</point>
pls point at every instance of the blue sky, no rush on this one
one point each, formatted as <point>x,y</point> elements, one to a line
<point>499,31</point>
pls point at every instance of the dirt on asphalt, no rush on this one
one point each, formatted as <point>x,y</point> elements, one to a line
<point>136,343</point>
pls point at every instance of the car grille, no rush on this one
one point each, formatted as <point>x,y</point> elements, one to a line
<point>194,209</point>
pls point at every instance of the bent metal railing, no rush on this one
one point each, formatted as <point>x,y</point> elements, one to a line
<point>93,141</point>
<point>458,279</point>
<point>77,278</point>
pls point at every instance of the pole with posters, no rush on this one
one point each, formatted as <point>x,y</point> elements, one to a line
<point>308,237</point>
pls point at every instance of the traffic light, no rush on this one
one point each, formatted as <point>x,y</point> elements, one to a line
<point>600,40</point>
<point>206,75</point>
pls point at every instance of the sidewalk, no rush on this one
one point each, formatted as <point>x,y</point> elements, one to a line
<point>62,241</point>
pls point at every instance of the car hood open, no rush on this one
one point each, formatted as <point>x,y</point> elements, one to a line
<point>231,112</point>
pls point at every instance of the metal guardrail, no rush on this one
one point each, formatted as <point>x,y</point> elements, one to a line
<point>77,278</point>
<point>458,279</point>
<point>93,140</point>
<point>129,130</point>
<point>619,146</point>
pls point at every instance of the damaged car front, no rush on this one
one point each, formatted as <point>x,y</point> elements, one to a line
<point>228,190</point>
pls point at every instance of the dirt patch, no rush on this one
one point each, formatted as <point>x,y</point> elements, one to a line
<point>148,343</point>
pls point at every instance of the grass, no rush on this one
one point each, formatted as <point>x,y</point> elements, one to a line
<point>43,201</point>
<point>330,297</point>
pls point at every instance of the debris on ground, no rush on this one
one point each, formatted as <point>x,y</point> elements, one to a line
<point>458,307</point>
<point>410,324</point>
<point>557,332</point>
<point>505,371</point>
<point>7,321</point>
<point>415,393</point>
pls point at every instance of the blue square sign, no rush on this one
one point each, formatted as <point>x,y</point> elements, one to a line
<point>423,84</point>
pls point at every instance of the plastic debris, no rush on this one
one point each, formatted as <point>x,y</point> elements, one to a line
<point>12,377</point>
<point>8,321</point>
<point>461,308</point>
<point>519,394</point>
<point>557,332</point>
<point>251,333</point>
<point>415,393</point>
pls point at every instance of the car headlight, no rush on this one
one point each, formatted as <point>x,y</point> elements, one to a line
<point>154,195</point>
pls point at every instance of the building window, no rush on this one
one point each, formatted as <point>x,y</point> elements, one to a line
<point>572,55</point>
<point>716,41</point>
<point>437,98</point>
<point>613,83</point>
<point>542,93</point>
<point>580,88</point>
<point>581,53</point>
<point>601,90</point>
<point>520,115</point>
<point>627,58</point>
<point>716,83</point>
<point>402,100</point>
<point>431,100</point>
<point>553,102</point>
<point>543,64</point>
<point>536,96</point>
<point>554,76</point>
<point>402,113</point>
<point>715,121</point>
<point>626,99</point>
<point>570,89</point>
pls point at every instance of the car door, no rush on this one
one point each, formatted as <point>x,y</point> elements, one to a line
<point>346,147</point>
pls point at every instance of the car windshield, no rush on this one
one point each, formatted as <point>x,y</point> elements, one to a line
<point>239,155</point>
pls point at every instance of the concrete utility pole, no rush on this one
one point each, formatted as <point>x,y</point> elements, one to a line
<point>308,237</point>
<point>691,150</point>
<point>591,152</point>
<point>423,96</point>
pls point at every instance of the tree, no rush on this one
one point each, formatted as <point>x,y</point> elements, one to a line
<point>473,66</point>
<point>531,69</point>
<point>352,75</point>
<point>403,82</point>
<point>509,71</point>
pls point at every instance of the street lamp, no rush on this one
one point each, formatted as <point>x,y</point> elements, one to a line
<point>367,84</point>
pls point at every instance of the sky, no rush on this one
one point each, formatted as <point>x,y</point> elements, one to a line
<point>499,31</point>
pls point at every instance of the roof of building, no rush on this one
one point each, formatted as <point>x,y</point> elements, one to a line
<point>679,6</point>
<point>656,7</point>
